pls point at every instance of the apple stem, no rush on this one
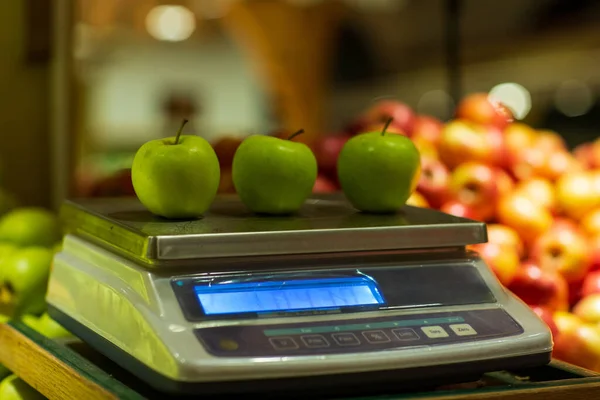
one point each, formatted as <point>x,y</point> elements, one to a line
<point>293,135</point>
<point>387,124</point>
<point>185,121</point>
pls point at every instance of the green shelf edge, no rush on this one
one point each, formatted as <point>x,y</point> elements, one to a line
<point>78,363</point>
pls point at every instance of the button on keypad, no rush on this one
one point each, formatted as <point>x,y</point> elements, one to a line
<point>314,341</point>
<point>283,343</point>
<point>346,339</point>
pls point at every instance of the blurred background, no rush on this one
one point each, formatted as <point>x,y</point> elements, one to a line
<point>84,83</point>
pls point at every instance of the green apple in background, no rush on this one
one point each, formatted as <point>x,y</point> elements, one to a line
<point>23,281</point>
<point>6,249</point>
<point>272,175</point>
<point>46,326</point>
<point>176,177</point>
<point>378,172</point>
<point>30,226</point>
<point>15,388</point>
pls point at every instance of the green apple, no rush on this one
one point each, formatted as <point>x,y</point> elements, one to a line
<point>15,388</point>
<point>272,175</point>
<point>46,326</point>
<point>30,226</point>
<point>176,177</point>
<point>378,172</point>
<point>6,249</point>
<point>23,281</point>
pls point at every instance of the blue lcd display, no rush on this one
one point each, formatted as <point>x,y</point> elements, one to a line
<point>287,295</point>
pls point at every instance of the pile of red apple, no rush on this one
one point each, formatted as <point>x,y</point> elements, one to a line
<point>540,200</point>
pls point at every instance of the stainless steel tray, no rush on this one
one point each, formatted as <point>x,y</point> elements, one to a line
<point>326,224</point>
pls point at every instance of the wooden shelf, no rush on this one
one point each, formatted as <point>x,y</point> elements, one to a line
<point>71,370</point>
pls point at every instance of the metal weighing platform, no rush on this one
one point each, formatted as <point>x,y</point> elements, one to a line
<point>330,301</point>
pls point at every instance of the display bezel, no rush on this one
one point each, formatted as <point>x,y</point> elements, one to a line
<point>194,311</point>
<point>453,285</point>
<point>312,284</point>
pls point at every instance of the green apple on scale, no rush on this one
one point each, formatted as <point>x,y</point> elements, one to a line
<point>177,177</point>
<point>274,176</point>
<point>378,172</point>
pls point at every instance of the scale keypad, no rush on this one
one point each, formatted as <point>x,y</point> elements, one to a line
<point>363,335</point>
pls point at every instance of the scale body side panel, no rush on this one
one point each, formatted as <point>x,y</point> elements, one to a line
<point>167,342</point>
<point>326,224</point>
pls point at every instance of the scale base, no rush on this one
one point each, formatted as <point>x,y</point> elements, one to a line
<point>322,386</point>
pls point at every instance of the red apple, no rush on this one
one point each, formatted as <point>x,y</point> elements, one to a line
<point>588,308</point>
<point>588,154</point>
<point>498,144</point>
<point>595,252</point>
<point>591,284</point>
<point>577,194</point>
<point>378,127</point>
<point>584,153</point>
<point>564,250</point>
<point>225,148</point>
<point>458,209</point>
<point>595,154</point>
<point>546,315</point>
<point>226,182</point>
<point>550,141</point>
<point>539,190</point>
<point>523,215</point>
<point>427,128</point>
<point>559,163</point>
<point>477,185</point>
<point>327,150</point>
<point>579,346</point>
<point>504,261</point>
<point>538,287</point>
<point>575,292</point>
<point>528,163</point>
<point>517,137</point>
<point>116,185</point>
<point>590,222</point>
<point>463,141</point>
<point>416,199</point>
<point>595,178</point>
<point>324,185</point>
<point>566,321</point>
<point>401,113</point>
<point>541,155</point>
<point>479,108</point>
<point>505,236</point>
<point>564,223</point>
<point>426,148</point>
<point>433,181</point>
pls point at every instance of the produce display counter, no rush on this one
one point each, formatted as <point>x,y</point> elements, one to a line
<point>69,369</point>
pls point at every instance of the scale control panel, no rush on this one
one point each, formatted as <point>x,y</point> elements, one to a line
<point>357,335</point>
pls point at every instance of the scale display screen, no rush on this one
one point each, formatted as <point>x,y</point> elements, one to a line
<point>287,295</point>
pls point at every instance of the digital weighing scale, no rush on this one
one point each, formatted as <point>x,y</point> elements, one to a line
<point>330,298</point>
